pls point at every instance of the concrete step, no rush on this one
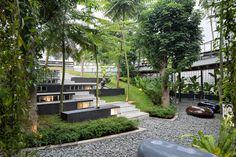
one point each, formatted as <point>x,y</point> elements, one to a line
<point>134,115</point>
<point>119,103</point>
<point>128,109</point>
<point>83,97</point>
<point>101,102</point>
<point>82,93</point>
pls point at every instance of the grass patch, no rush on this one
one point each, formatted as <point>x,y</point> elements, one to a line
<point>72,72</point>
<point>142,101</point>
<point>113,98</point>
<point>52,130</point>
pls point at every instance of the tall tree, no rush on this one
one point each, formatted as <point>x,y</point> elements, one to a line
<point>121,10</point>
<point>19,49</point>
<point>207,6</point>
<point>171,37</point>
<point>225,13</point>
<point>67,33</point>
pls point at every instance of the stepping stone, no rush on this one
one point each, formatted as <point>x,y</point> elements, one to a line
<point>211,105</point>
<point>201,112</point>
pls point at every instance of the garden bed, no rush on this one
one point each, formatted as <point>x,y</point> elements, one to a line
<point>142,101</point>
<point>52,130</point>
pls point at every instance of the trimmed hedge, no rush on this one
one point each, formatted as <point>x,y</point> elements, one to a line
<point>57,132</point>
<point>163,112</point>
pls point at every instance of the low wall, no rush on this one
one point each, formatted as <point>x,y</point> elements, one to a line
<point>198,96</point>
<point>85,80</point>
<point>50,88</point>
<point>47,109</point>
<point>109,92</point>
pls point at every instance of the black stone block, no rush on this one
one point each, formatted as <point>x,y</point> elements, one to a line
<point>87,114</point>
<point>158,148</point>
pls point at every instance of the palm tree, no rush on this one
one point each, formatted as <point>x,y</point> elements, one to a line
<point>207,6</point>
<point>120,10</point>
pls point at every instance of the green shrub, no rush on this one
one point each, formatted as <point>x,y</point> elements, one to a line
<point>152,87</point>
<point>163,112</point>
<point>224,146</point>
<point>57,132</point>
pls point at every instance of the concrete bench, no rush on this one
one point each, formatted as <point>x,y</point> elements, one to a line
<point>158,148</point>
<point>54,96</point>
<point>47,108</point>
<point>88,114</point>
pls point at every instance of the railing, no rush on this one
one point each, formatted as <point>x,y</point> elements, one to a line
<point>58,63</point>
<point>208,50</point>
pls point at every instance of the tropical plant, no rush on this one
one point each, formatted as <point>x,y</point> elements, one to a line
<point>207,6</point>
<point>19,49</point>
<point>223,146</point>
<point>207,87</point>
<point>152,87</point>
<point>225,15</point>
<point>194,85</point>
<point>171,36</point>
<point>120,10</point>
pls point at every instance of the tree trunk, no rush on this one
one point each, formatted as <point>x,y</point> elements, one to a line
<point>82,67</point>
<point>118,66</point>
<point>215,77</point>
<point>33,109</point>
<point>233,96</point>
<point>118,75</point>
<point>221,55</point>
<point>212,30</point>
<point>97,79</point>
<point>139,59</point>
<point>63,74</point>
<point>165,98</point>
<point>126,58</point>
<point>46,59</point>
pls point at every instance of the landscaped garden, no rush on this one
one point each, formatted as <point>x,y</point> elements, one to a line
<point>72,71</point>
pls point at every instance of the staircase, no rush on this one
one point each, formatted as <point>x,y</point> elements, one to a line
<point>126,110</point>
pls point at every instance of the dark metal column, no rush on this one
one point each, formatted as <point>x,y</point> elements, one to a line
<point>180,85</point>
<point>201,92</point>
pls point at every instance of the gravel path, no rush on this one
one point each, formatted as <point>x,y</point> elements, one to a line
<point>126,146</point>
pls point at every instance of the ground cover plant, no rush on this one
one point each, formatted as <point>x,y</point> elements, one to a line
<point>52,130</point>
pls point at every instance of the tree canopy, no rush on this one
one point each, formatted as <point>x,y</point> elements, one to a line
<point>171,37</point>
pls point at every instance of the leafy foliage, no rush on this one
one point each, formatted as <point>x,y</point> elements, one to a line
<point>163,112</point>
<point>171,37</point>
<point>223,146</point>
<point>170,32</point>
<point>18,53</point>
<point>152,87</point>
<point>54,131</point>
<point>132,60</point>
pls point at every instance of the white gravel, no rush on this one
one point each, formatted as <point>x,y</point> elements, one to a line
<point>126,146</point>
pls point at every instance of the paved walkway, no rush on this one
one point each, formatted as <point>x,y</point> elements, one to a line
<point>126,146</point>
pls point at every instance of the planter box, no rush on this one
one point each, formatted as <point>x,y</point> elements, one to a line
<point>109,92</point>
<point>72,87</point>
<point>88,113</point>
<point>85,80</point>
<point>47,108</point>
<point>198,96</point>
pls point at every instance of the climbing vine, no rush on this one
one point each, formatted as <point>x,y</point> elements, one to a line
<point>17,58</point>
<point>225,12</point>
